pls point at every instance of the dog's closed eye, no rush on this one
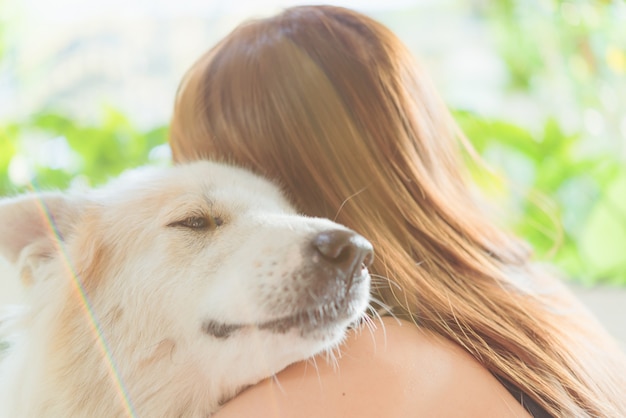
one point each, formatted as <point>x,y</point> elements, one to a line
<point>198,222</point>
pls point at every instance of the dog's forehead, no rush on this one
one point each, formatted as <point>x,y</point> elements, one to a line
<point>201,181</point>
<point>228,184</point>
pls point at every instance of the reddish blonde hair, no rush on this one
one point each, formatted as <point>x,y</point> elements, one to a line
<point>330,104</point>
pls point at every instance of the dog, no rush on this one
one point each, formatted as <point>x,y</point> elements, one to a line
<point>168,291</point>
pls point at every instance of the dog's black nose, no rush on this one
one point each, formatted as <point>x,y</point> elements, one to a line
<point>344,249</point>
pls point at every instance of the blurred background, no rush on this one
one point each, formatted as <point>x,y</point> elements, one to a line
<point>539,86</point>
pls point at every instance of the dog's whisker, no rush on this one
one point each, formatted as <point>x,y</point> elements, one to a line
<point>378,322</point>
<point>382,307</point>
<point>313,360</point>
<point>276,381</point>
<point>367,323</point>
<point>372,325</point>
<point>378,279</point>
<point>362,322</point>
<point>333,355</point>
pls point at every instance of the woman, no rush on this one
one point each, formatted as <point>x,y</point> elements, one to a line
<point>330,104</point>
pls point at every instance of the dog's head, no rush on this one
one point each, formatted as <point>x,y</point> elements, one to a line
<point>202,272</point>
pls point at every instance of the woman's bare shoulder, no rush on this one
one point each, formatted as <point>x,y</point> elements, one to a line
<point>396,370</point>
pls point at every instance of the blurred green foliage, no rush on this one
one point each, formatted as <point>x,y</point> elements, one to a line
<point>581,40</point>
<point>568,191</point>
<point>51,150</point>
<point>569,205</point>
<point>3,347</point>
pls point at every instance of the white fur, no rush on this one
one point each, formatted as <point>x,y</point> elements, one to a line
<point>150,286</point>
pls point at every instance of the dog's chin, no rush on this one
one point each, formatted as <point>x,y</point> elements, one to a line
<point>328,321</point>
<point>312,323</point>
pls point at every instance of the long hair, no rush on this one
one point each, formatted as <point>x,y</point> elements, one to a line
<point>329,103</point>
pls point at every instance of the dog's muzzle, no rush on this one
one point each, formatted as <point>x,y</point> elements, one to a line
<point>330,288</point>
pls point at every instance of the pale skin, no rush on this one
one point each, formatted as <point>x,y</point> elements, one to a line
<point>395,371</point>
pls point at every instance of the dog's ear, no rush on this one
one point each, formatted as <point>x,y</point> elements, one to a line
<point>36,223</point>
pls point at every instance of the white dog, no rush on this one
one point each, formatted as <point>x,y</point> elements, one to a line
<point>168,291</point>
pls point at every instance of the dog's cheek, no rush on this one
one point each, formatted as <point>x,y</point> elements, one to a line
<point>90,256</point>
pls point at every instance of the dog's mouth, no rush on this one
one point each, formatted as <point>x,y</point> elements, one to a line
<point>310,320</point>
<point>304,321</point>
<point>341,310</point>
